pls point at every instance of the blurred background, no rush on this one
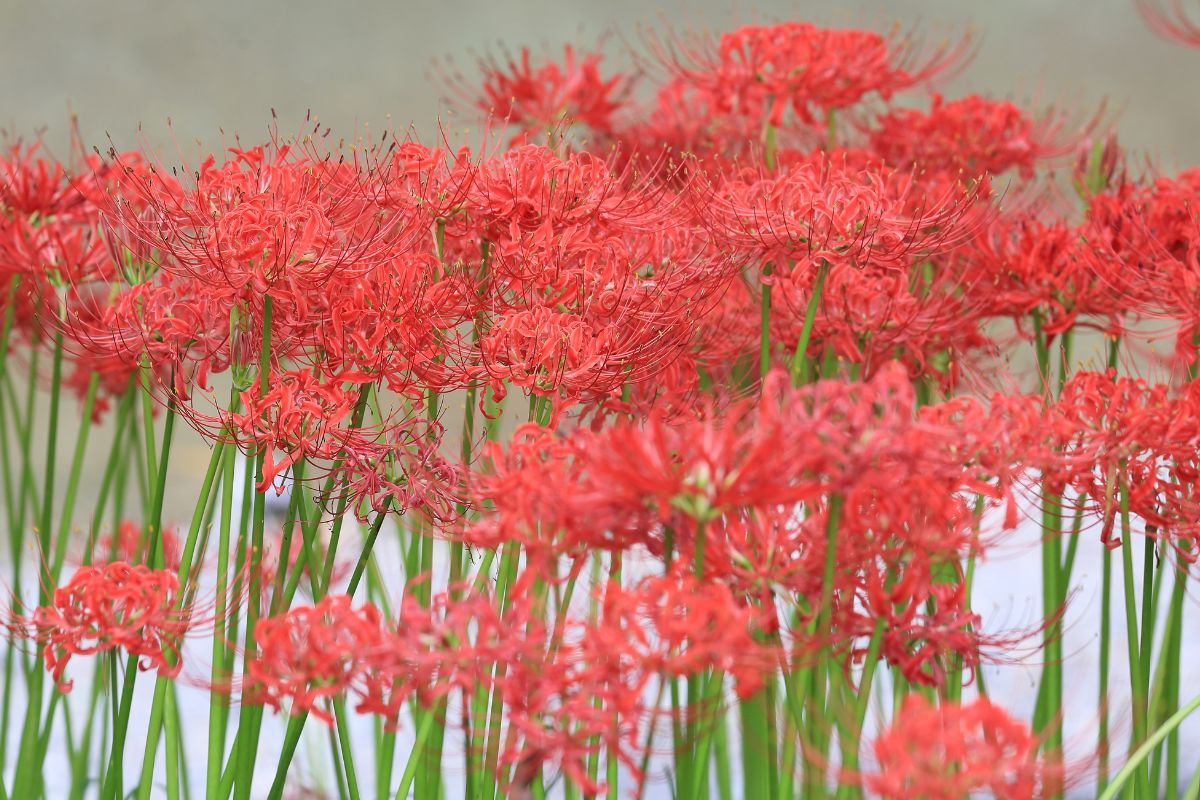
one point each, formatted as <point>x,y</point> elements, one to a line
<point>223,64</point>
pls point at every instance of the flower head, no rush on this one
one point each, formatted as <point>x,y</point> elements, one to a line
<point>113,606</point>
<point>950,751</point>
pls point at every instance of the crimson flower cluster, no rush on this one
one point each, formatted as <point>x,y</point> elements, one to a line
<point>111,607</point>
<point>949,751</point>
<point>758,316</point>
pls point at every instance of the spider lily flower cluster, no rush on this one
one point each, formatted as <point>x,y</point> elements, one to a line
<point>759,303</point>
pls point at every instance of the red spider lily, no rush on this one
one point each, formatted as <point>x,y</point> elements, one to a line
<point>973,135</point>
<point>32,186</point>
<point>761,71</point>
<point>790,446</point>
<point>826,210</point>
<point>950,751</point>
<point>925,620</point>
<point>1120,434</point>
<point>402,470</point>
<point>60,249</point>
<point>421,180</point>
<point>268,221</point>
<point>172,327</point>
<point>587,695</point>
<point>1024,263</point>
<point>591,690</point>
<point>310,654</point>
<point>538,99</point>
<point>685,120</point>
<point>108,607</point>
<point>526,483</point>
<point>690,625</point>
<point>526,196</point>
<point>1150,251</point>
<point>928,319</point>
<point>701,467</point>
<point>453,643</point>
<point>589,279</point>
<point>1170,20</point>
<point>401,326</point>
<point>300,414</point>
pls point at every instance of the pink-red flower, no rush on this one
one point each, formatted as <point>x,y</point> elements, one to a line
<point>113,606</point>
<point>761,71</point>
<point>949,751</point>
<point>538,97</point>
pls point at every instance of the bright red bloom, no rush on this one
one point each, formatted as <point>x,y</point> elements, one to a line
<point>312,653</point>
<point>826,209</point>
<point>760,71</point>
<point>590,276</point>
<point>114,606</point>
<point>301,414</point>
<point>34,186</point>
<point>539,98</point>
<point>1148,251</point>
<point>590,692</point>
<point>1121,434</point>
<point>974,135</point>
<point>686,121</point>
<point>269,221</point>
<point>689,625</point>
<point>402,469</point>
<point>1070,274</point>
<point>950,751</point>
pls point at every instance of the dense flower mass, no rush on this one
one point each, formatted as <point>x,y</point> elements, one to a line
<point>701,401</point>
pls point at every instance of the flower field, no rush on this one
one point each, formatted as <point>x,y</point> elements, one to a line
<point>652,443</point>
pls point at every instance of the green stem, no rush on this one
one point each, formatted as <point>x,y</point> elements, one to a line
<point>27,781</point>
<point>801,369</point>
<point>1102,734</point>
<point>1136,664</point>
<point>410,768</point>
<point>764,334</point>
<point>247,743</point>
<point>157,708</point>
<point>1136,763</point>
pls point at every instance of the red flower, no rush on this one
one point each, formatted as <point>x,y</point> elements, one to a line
<point>311,653</point>
<point>949,751</point>
<point>538,99</point>
<point>826,209</point>
<point>974,134</point>
<point>34,186</point>
<point>1033,261</point>
<point>590,277</point>
<point>114,607</point>
<point>1117,434</point>
<point>301,414</point>
<point>760,71</point>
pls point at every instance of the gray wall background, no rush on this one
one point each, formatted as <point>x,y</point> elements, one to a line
<point>213,64</point>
